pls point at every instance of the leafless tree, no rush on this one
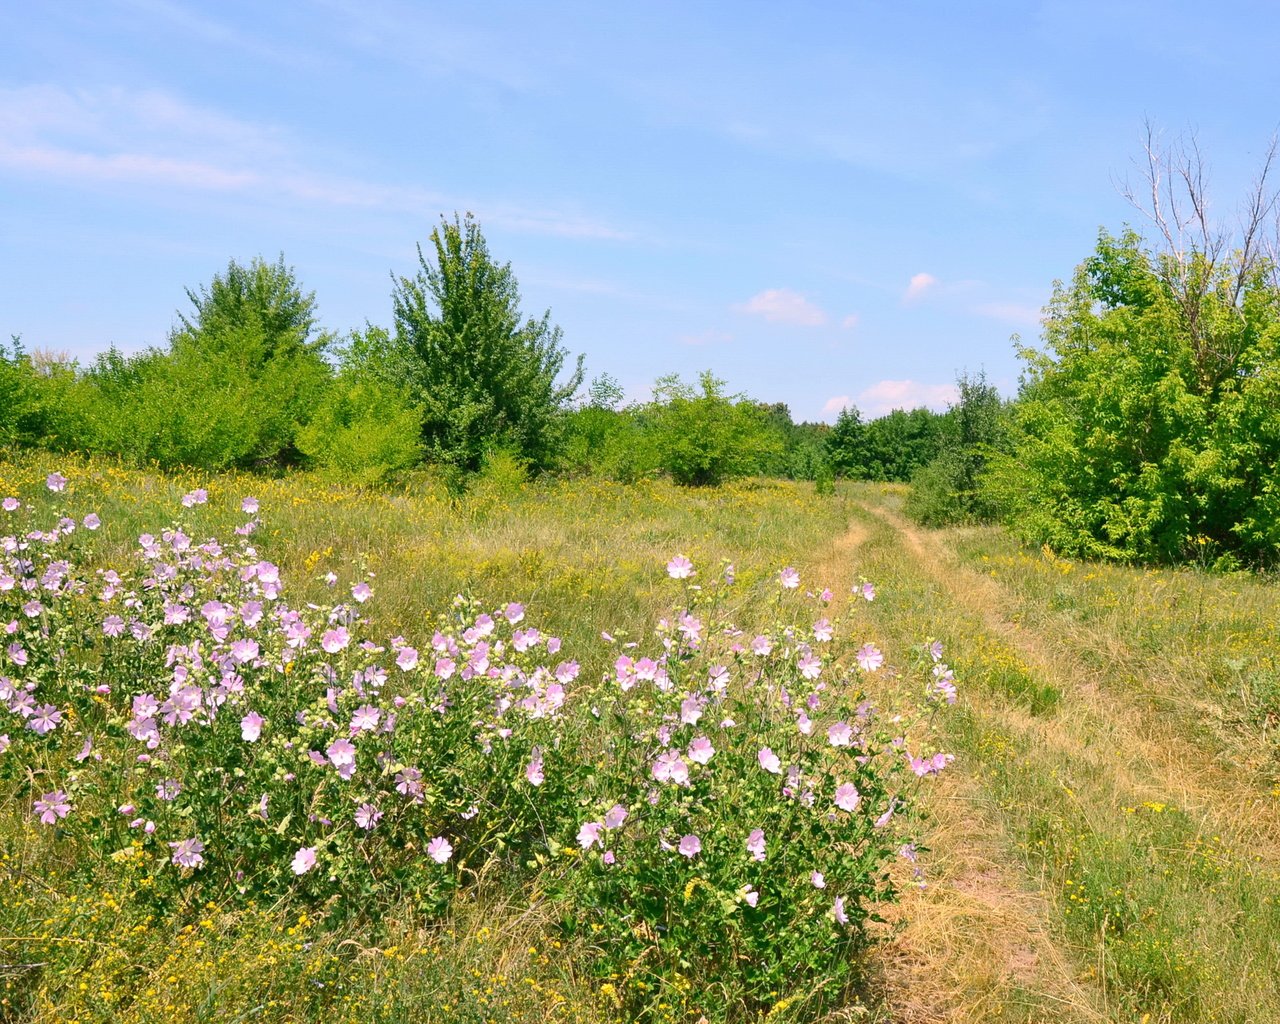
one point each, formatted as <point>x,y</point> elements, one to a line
<point>1201,254</point>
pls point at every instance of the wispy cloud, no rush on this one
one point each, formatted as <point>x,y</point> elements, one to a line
<point>850,322</point>
<point>151,139</point>
<point>918,286</point>
<point>784,306</point>
<point>886,395</point>
<point>833,406</point>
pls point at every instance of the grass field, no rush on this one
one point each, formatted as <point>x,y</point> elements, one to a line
<point>1104,847</point>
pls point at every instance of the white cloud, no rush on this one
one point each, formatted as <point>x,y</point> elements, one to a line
<point>1010,312</point>
<point>887,395</point>
<point>153,139</point>
<point>832,406</point>
<point>918,285</point>
<point>782,305</point>
<point>850,322</point>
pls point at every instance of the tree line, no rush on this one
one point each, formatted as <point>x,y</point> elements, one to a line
<point>1146,426</point>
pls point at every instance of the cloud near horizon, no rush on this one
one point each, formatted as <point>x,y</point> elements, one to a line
<point>784,306</point>
<point>886,395</point>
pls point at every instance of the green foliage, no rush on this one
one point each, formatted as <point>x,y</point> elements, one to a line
<point>701,436</point>
<point>949,488</point>
<point>240,377</point>
<point>481,376</point>
<point>1146,428</point>
<point>29,400</point>
<point>364,428</point>
<point>889,448</point>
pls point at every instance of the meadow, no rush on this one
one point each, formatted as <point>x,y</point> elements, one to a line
<point>1103,847</point>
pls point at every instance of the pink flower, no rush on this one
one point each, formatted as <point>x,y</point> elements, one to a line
<point>197,497</point>
<point>867,591</point>
<point>304,860</point>
<point>91,521</point>
<point>45,719</point>
<point>761,646</point>
<point>615,816</point>
<point>362,592</point>
<point>251,727</point>
<point>367,815</point>
<point>187,853</point>
<point>826,596</point>
<point>690,846</point>
<point>680,568</point>
<point>589,834</point>
<point>769,761</point>
<point>52,806</point>
<point>789,578</point>
<point>407,659</point>
<point>439,849</point>
<point>514,612</point>
<point>869,657</point>
<point>810,665</point>
<point>822,630</point>
<point>670,767</point>
<point>342,755</point>
<point>365,719</point>
<point>847,797</point>
<point>883,820</point>
<point>11,504</point>
<point>840,734</point>
<point>335,640</point>
<point>56,482</point>
<point>249,506</point>
<point>750,895</point>
<point>756,844</point>
<point>690,710</point>
<point>244,650</point>
<point>817,880</point>
<point>701,750</point>
<point>837,910</point>
<point>533,770</point>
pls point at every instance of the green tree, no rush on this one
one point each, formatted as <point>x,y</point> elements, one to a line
<point>950,487</point>
<point>1146,427</point>
<point>702,436</point>
<point>847,444</point>
<point>483,377</point>
<point>239,379</point>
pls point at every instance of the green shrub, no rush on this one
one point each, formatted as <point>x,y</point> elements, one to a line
<point>701,436</point>
<point>363,430</point>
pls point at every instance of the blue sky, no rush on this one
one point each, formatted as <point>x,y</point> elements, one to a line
<point>822,202</point>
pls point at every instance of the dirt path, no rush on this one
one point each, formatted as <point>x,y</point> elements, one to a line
<point>1145,751</point>
<point>975,944</point>
<point>1049,791</point>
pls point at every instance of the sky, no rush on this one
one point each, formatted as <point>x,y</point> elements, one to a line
<point>823,203</point>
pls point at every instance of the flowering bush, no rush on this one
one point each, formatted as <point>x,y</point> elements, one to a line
<point>746,800</point>
<point>719,805</point>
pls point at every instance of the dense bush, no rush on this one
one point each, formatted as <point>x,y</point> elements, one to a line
<point>702,436</point>
<point>1146,427</point>
<point>364,428</point>
<point>30,410</point>
<point>889,448</point>
<point>239,378</point>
